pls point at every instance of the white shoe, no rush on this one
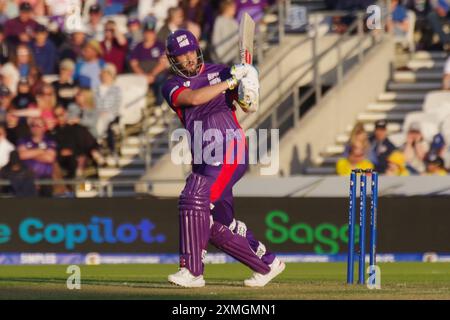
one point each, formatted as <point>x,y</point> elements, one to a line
<point>185,278</point>
<point>260,280</point>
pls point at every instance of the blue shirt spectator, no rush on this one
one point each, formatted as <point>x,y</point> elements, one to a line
<point>87,70</point>
<point>44,51</point>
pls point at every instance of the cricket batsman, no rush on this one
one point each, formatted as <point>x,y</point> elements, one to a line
<point>208,94</point>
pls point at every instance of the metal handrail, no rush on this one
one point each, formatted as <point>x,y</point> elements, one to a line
<point>314,62</point>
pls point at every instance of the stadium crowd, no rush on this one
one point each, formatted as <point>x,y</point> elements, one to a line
<point>59,59</point>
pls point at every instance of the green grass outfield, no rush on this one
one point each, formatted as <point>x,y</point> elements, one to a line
<point>224,281</point>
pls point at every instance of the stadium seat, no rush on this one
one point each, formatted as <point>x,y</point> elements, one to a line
<point>134,97</point>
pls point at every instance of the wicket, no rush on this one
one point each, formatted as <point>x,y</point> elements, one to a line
<point>362,223</point>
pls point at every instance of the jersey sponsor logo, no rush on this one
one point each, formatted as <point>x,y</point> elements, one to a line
<point>183,41</point>
<point>213,78</point>
<point>187,84</point>
<point>155,52</point>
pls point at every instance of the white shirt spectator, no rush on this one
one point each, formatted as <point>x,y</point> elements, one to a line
<point>5,149</point>
<point>447,66</point>
<point>446,79</point>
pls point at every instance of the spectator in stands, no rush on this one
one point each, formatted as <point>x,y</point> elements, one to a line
<point>148,58</point>
<point>396,164</point>
<point>87,71</point>
<point>24,99</point>
<point>38,153</point>
<point>5,47</point>
<point>446,77</point>
<point>21,29</point>
<point>194,15</point>
<point>82,111</point>
<point>436,19</point>
<point>5,103</point>
<point>134,35</point>
<point>421,8</point>
<point>3,16</point>
<point>434,165</point>
<point>356,160</point>
<point>44,51</point>
<point>20,66</point>
<point>65,87</point>
<point>415,149</point>
<point>398,21</point>
<point>108,98</point>
<point>359,136</point>
<point>75,144</point>
<point>114,46</point>
<point>44,107</point>
<point>5,146</point>
<point>21,178</point>
<point>35,79</point>
<point>380,145</point>
<point>175,20</point>
<point>16,128</point>
<point>74,47</point>
<point>225,35</point>
<point>94,25</point>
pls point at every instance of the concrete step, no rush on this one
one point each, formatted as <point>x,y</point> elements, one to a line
<point>419,86</point>
<point>128,151</point>
<point>408,76</point>
<point>157,129</point>
<point>429,55</point>
<point>372,117</point>
<point>392,127</point>
<point>426,64</point>
<point>125,161</point>
<point>333,150</point>
<point>106,173</point>
<point>392,106</point>
<point>401,96</point>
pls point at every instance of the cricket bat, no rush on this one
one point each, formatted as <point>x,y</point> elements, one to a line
<point>246,38</point>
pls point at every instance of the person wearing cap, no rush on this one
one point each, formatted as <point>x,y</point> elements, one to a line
<point>44,51</point>
<point>415,148</point>
<point>134,35</point>
<point>148,59</point>
<point>21,28</point>
<point>66,87</point>
<point>114,46</point>
<point>396,164</point>
<point>108,99</point>
<point>87,70</point>
<point>380,145</point>
<point>434,165</point>
<point>94,26</point>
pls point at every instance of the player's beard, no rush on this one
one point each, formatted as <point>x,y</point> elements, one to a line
<point>180,69</point>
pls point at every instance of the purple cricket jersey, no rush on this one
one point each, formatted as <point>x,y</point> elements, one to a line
<point>219,113</point>
<point>41,170</point>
